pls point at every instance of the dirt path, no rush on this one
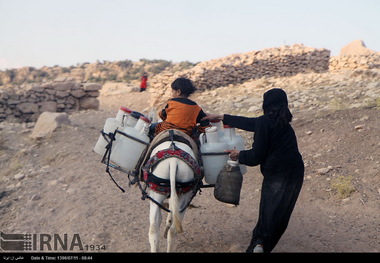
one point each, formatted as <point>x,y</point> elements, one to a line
<point>58,185</point>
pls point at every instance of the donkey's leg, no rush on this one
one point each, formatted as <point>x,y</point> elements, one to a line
<point>155,219</point>
<point>172,233</point>
<point>169,222</point>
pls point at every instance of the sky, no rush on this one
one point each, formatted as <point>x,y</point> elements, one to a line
<point>40,33</point>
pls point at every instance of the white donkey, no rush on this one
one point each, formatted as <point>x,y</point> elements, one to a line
<point>175,171</point>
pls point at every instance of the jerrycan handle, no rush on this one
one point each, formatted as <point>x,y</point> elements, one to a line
<point>232,163</point>
<point>202,137</point>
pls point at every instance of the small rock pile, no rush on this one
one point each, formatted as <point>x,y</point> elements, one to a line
<point>355,55</point>
<point>355,62</point>
<point>25,104</point>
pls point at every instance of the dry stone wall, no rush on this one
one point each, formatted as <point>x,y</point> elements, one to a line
<point>67,94</point>
<point>237,68</point>
<point>355,62</point>
<point>355,55</point>
<point>25,104</point>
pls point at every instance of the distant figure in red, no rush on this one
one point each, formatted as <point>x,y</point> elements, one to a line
<point>144,80</point>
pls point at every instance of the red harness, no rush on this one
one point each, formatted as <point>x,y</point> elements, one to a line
<point>162,186</point>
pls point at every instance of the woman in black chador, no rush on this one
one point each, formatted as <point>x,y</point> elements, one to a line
<point>275,149</point>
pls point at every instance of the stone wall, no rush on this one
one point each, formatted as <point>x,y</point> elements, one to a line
<point>237,68</point>
<point>355,62</point>
<point>25,104</point>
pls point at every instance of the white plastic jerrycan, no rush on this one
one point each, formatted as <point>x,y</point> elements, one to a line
<point>110,126</point>
<point>213,154</point>
<point>131,143</point>
<point>133,118</point>
<point>123,115</point>
<point>219,125</point>
<point>234,142</point>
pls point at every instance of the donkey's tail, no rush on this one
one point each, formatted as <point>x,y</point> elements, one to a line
<point>173,201</point>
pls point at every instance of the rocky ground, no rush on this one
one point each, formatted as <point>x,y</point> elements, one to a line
<point>58,185</point>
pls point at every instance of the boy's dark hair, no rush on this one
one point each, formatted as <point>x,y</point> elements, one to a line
<point>185,85</point>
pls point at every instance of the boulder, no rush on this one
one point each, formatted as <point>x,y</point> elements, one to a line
<point>48,122</point>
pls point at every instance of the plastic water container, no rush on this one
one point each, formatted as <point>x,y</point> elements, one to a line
<point>110,126</point>
<point>219,126</point>
<point>213,154</point>
<point>133,118</point>
<point>142,125</point>
<point>234,142</point>
<point>123,115</point>
<point>131,143</point>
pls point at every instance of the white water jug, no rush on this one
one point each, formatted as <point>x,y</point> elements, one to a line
<point>213,156</point>
<point>123,115</point>
<point>133,118</point>
<point>130,145</point>
<point>234,142</point>
<point>110,126</point>
<point>219,126</point>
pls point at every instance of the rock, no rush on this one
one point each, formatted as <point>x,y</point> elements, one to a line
<point>48,106</point>
<point>62,94</point>
<point>78,93</point>
<point>91,86</point>
<point>356,48</point>
<point>53,183</point>
<point>87,103</point>
<point>35,198</point>
<point>19,176</point>
<point>63,86</point>
<point>254,108</point>
<point>323,171</point>
<point>359,127</point>
<point>28,107</point>
<point>49,122</point>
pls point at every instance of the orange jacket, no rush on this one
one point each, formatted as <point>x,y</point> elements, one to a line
<point>182,114</point>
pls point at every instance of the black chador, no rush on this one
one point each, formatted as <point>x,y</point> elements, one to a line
<point>275,149</point>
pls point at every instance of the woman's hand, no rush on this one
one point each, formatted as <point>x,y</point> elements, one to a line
<point>234,154</point>
<point>213,117</point>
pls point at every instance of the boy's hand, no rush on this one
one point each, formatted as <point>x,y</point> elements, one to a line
<point>212,117</point>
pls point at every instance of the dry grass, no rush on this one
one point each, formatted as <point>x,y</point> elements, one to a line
<point>16,163</point>
<point>342,186</point>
